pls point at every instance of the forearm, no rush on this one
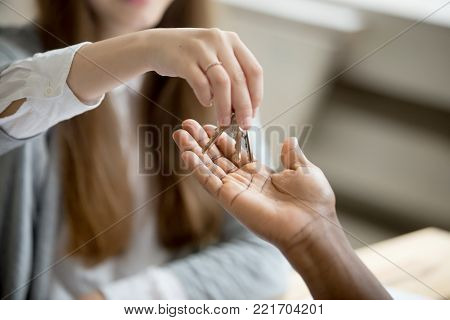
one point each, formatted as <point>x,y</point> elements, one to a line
<point>101,66</point>
<point>330,267</point>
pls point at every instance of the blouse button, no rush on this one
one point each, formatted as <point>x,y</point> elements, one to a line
<point>48,92</point>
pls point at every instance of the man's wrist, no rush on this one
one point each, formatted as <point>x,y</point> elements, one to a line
<point>321,244</point>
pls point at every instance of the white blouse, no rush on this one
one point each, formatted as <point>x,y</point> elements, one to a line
<point>135,274</point>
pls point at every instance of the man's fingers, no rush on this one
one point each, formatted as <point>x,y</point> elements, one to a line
<point>185,141</point>
<point>226,165</point>
<point>196,131</point>
<point>292,156</point>
<point>203,175</point>
<point>226,145</point>
<point>200,135</point>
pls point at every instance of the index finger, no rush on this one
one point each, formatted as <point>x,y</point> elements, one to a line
<point>253,73</point>
<point>187,144</point>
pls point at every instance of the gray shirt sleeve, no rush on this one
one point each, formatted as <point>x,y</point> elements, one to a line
<point>7,142</point>
<point>8,53</point>
<point>15,44</point>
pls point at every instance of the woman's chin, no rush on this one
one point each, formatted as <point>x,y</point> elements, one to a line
<point>142,19</point>
<point>137,3</point>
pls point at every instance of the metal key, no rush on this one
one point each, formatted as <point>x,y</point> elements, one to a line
<point>237,134</point>
<point>217,133</point>
<point>238,146</point>
<point>248,147</point>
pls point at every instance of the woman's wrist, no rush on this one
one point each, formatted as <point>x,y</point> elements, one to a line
<point>154,44</point>
<point>101,66</point>
<point>147,48</point>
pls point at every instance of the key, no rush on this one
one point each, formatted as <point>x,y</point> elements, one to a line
<point>248,147</point>
<point>217,134</point>
<point>238,135</point>
<point>214,138</point>
<point>237,153</point>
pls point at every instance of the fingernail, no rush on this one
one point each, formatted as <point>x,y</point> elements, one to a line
<point>247,123</point>
<point>255,110</point>
<point>294,141</point>
<point>225,121</point>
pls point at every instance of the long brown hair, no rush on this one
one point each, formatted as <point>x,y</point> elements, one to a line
<point>95,193</point>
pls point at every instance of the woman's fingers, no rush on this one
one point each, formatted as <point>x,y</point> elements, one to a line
<point>253,72</point>
<point>292,156</point>
<point>240,96</point>
<point>200,84</point>
<point>216,64</point>
<point>234,74</point>
<point>204,176</point>
<point>221,88</point>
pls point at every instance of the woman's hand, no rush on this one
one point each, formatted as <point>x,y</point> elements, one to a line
<point>218,66</point>
<point>283,208</point>
<point>192,54</point>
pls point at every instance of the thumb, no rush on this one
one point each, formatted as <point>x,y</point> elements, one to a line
<point>292,156</point>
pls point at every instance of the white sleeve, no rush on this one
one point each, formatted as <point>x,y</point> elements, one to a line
<point>151,284</point>
<point>40,79</point>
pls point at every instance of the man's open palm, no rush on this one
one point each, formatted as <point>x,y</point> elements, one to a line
<point>276,206</point>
